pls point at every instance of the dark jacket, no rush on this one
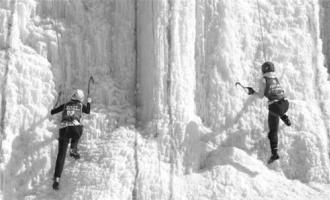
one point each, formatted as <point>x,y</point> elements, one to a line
<point>71,112</point>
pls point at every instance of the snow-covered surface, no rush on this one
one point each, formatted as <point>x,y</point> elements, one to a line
<point>167,121</point>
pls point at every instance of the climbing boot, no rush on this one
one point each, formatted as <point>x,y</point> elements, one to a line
<point>56,183</point>
<point>273,158</point>
<point>74,153</point>
<point>286,120</point>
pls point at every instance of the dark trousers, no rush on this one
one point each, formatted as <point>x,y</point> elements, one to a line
<point>70,132</point>
<point>277,110</point>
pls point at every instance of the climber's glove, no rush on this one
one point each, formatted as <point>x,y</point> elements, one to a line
<point>250,90</point>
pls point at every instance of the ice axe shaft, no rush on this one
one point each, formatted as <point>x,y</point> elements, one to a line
<point>91,80</point>
<point>58,98</point>
<point>246,89</point>
<point>242,86</point>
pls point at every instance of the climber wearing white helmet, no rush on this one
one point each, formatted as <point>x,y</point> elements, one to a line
<point>71,128</point>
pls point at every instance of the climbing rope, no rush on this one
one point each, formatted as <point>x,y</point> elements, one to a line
<point>261,32</point>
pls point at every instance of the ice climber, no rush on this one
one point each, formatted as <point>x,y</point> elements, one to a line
<point>70,128</point>
<point>278,105</point>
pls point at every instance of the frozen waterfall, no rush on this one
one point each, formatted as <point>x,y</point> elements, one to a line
<point>167,121</point>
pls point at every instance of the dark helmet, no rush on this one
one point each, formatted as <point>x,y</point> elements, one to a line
<point>267,67</point>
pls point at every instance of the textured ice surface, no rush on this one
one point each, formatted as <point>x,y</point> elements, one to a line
<point>170,68</point>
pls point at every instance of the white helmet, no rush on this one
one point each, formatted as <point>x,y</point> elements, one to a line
<point>78,95</point>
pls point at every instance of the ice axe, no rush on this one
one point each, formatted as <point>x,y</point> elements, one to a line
<point>249,90</point>
<point>58,98</point>
<point>91,80</point>
<point>242,86</point>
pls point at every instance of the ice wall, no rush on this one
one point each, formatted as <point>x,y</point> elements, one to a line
<point>325,28</point>
<point>48,45</point>
<point>170,66</point>
<point>95,38</point>
<point>165,40</point>
<point>166,94</point>
<point>27,93</point>
<point>229,49</point>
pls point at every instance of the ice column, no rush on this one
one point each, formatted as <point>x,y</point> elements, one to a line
<point>325,30</point>
<point>166,65</point>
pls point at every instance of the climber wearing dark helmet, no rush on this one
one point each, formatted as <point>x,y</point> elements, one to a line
<point>278,105</point>
<point>71,128</point>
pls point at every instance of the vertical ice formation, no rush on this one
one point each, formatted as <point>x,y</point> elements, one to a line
<point>95,38</point>
<point>166,95</point>
<point>152,48</point>
<point>229,49</point>
<point>61,42</point>
<point>325,28</point>
<point>176,63</point>
<point>166,74</point>
<point>27,90</point>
